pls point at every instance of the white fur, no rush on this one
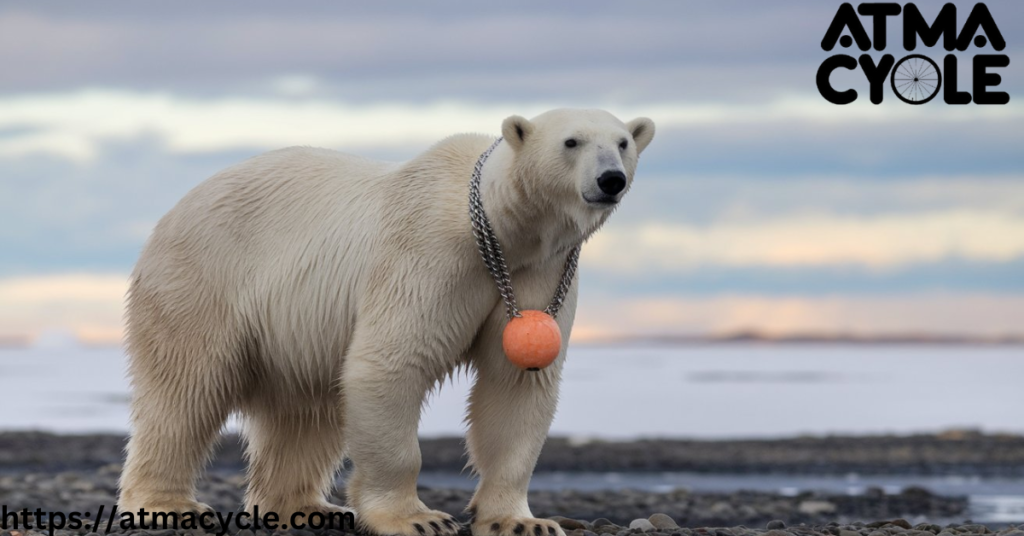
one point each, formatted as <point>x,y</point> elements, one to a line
<point>322,295</point>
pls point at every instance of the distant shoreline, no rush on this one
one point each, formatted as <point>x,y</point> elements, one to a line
<point>956,452</point>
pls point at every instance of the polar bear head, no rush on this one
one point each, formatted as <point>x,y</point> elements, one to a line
<point>580,162</point>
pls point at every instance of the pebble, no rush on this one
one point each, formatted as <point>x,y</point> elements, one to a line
<point>641,525</point>
<point>723,510</point>
<point>775,524</point>
<point>816,507</point>
<point>566,523</point>
<point>663,522</point>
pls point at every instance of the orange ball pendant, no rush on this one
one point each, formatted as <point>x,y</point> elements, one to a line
<point>532,341</point>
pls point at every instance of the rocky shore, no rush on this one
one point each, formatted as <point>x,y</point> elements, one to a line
<point>79,473</point>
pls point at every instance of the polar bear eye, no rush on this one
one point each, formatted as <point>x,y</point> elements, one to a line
<point>570,143</point>
<point>623,144</point>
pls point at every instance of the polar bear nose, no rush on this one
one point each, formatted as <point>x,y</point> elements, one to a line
<point>612,182</point>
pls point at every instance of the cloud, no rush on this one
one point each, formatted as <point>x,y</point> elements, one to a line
<point>88,305</point>
<point>971,314</point>
<point>705,199</point>
<point>75,124</point>
<point>131,43</point>
<point>744,49</point>
<point>876,242</point>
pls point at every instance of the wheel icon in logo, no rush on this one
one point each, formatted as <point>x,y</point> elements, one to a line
<point>916,79</point>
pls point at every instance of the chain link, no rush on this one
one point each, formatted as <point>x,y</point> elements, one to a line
<point>494,260</point>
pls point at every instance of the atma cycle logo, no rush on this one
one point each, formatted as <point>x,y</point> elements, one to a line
<point>915,78</point>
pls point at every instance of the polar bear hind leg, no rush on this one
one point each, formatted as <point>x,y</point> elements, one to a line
<point>293,456</point>
<point>185,386</point>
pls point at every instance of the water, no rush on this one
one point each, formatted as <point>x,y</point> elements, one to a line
<point>714,391</point>
<point>656,391</point>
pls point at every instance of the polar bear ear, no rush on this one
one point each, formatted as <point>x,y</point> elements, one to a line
<point>516,129</point>
<point>642,130</point>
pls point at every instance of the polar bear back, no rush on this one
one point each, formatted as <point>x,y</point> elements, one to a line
<point>280,247</point>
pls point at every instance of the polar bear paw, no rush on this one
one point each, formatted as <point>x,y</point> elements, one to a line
<point>516,526</point>
<point>424,523</point>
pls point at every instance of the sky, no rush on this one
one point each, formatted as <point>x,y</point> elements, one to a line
<point>759,206</point>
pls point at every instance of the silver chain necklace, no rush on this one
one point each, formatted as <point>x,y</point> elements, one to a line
<point>490,249</point>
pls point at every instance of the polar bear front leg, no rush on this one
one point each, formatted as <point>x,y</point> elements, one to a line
<point>383,397</point>
<point>510,412</point>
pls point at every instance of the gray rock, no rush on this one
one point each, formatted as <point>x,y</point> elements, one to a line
<point>566,523</point>
<point>775,524</point>
<point>663,522</point>
<point>722,509</point>
<point>602,522</point>
<point>816,508</point>
<point>745,511</point>
<point>642,525</point>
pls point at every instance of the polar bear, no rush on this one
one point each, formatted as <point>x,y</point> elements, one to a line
<point>321,296</point>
